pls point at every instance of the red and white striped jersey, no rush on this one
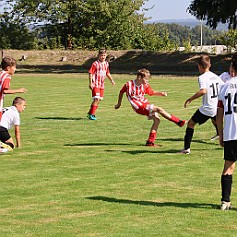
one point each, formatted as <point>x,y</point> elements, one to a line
<point>5,79</point>
<point>99,70</point>
<point>227,99</point>
<point>135,93</point>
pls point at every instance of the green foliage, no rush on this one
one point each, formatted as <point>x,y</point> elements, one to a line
<point>229,39</point>
<point>187,45</point>
<point>55,43</point>
<point>110,24</point>
<point>215,11</point>
<point>179,34</point>
<point>14,34</point>
<point>105,24</point>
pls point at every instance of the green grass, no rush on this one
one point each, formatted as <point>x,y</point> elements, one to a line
<point>75,177</point>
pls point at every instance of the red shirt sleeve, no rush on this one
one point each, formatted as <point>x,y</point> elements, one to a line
<point>149,91</point>
<point>124,89</point>
<point>6,84</point>
<point>107,71</point>
<point>220,104</point>
<point>92,69</point>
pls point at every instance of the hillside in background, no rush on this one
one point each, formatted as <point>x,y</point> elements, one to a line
<point>189,23</point>
<point>124,61</point>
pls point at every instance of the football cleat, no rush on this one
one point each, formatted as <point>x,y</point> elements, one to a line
<point>92,117</point>
<point>4,145</point>
<point>151,144</point>
<point>186,152</point>
<point>181,123</point>
<point>215,137</point>
<point>225,206</point>
<point>3,151</point>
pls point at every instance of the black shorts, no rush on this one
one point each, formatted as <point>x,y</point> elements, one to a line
<point>4,134</point>
<point>200,118</point>
<point>230,150</point>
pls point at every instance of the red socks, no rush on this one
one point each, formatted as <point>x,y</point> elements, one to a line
<point>93,109</point>
<point>152,137</point>
<point>174,119</point>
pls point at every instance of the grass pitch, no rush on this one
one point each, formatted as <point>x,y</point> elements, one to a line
<point>76,177</point>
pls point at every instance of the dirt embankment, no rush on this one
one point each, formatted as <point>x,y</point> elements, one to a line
<point>122,61</point>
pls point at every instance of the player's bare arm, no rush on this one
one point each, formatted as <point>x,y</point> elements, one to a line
<point>20,90</point>
<point>91,86</point>
<point>111,79</point>
<point>17,136</point>
<point>160,93</point>
<point>219,123</point>
<point>120,98</point>
<point>199,94</point>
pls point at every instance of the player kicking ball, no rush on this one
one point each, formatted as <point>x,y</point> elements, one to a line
<point>135,91</point>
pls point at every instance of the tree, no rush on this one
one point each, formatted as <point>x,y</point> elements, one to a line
<point>14,35</point>
<point>100,23</point>
<point>215,11</point>
<point>229,39</point>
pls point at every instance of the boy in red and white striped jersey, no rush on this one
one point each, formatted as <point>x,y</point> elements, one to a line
<point>8,69</point>
<point>97,73</point>
<point>135,91</point>
<point>227,125</point>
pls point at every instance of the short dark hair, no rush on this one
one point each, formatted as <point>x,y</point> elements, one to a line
<point>8,61</point>
<point>102,51</point>
<point>234,64</point>
<point>204,61</point>
<point>18,100</point>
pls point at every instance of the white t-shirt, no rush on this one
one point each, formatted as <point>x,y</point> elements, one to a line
<point>10,117</point>
<point>212,83</point>
<point>225,76</point>
<point>228,98</point>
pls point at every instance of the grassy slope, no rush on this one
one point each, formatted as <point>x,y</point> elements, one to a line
<point>176,63</point>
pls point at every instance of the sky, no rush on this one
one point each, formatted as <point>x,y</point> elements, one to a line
<point>168,9</point>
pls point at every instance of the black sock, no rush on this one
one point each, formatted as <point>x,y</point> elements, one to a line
<point>188,138</point>
<point>10,144</point>
<point>226,184</point>
<point>217,133</point>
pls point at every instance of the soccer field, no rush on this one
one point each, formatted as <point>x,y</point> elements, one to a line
<point>76,177</point>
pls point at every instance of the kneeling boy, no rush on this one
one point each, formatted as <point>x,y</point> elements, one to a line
<point>10,118</point>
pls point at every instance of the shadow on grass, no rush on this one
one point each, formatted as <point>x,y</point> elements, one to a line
<point>157,204</point>
<point>156,151</point>
<point>203,141</point>
<point>135,152</point>
<point>99,144</point>
<point>59,118</point>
